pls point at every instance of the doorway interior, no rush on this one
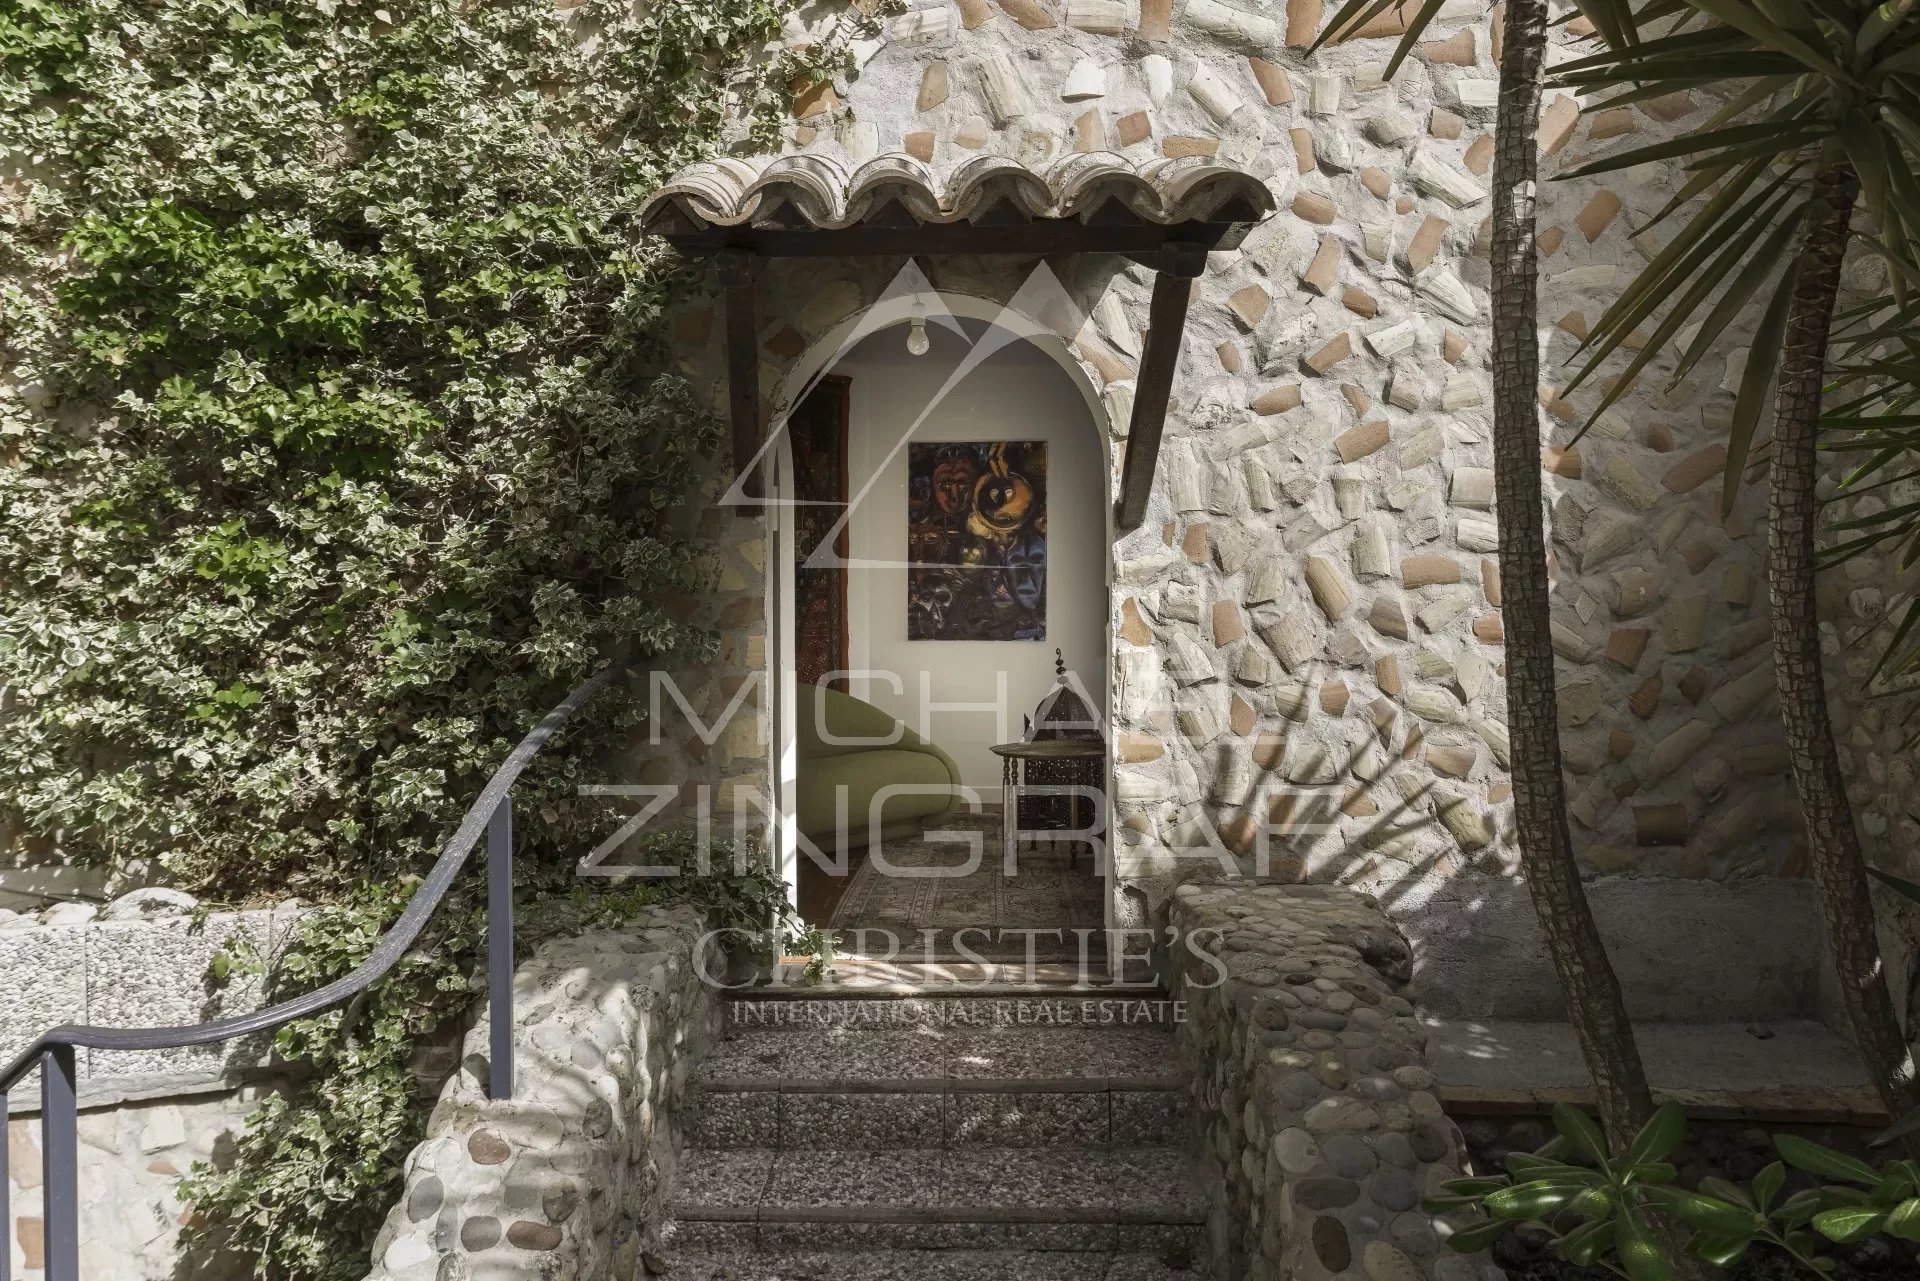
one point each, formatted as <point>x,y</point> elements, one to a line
<point>954,476</point>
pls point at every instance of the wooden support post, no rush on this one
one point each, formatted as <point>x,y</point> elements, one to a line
<point>1179,265</point>
<point>743,366</point>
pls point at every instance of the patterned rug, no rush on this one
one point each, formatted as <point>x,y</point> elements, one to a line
<point>935,882</point>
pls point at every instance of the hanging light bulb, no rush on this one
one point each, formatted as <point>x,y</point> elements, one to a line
<point>917,341</point>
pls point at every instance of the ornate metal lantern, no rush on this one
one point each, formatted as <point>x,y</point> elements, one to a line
<point>1062,714</point>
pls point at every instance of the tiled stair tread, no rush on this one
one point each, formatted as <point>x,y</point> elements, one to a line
<point>923,1265</point>
<point>838,1057</point>
<point>1132,1185</point>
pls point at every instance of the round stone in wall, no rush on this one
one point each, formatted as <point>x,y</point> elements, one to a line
<point>1330,1244</point>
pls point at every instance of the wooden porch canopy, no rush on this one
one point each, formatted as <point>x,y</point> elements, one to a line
<point>1163,213</point>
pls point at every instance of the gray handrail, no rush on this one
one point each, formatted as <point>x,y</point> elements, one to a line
<point>53,1051</point>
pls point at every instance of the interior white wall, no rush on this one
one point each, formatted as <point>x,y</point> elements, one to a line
<point>1019,393</point>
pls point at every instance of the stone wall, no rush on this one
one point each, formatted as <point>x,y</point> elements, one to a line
<point>1314,1108</point>
<point>141,961</point>
<point>1309,638</point>
<point>144,961</point>
<point>132,1156</point>
<point>564,1179</point>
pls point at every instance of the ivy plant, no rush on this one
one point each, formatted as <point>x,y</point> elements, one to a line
<point>338,440</point>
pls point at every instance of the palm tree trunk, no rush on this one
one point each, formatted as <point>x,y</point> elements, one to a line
<point>1833,846</point>
<point>1594,1003</point>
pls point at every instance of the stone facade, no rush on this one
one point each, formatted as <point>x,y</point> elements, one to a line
<point>1314,1108</point>
<point>566,1178</point>
<point>132,1155</point>
<point>146,1117</point>
<point>1307,655</point>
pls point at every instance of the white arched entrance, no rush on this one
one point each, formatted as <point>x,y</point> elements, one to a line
<point>1012,333</point>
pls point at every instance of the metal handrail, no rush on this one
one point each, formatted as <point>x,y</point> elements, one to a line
<point>53,1051</point>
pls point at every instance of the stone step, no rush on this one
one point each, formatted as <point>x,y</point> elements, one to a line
<point>938,1086</point>
<point>1091,1113</point>
<point>842,1057</point>
<point>929,1265</point>
<point>1134,1200</point>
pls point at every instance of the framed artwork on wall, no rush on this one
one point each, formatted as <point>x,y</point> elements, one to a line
<point>977,540</point>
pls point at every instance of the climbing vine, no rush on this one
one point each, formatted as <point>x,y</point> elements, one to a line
<point>335,446</point>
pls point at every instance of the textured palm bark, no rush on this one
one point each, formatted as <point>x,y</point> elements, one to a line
<point>1594,1004</point>
<point>1833,845</point>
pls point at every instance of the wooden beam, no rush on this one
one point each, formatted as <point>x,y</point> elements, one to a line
<point>1166,325</point>
<point>743,366</point>
<point>1046,236</point>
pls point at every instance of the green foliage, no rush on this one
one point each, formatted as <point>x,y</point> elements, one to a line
<point>311,1178</point>
<point>335,443</point>
<point>1813,89</point>
<point>1600,1208</point>
<point>335,448</point>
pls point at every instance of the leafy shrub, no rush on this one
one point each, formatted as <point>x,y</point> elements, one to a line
<point>1603,1209</point>
<point>335,443</point>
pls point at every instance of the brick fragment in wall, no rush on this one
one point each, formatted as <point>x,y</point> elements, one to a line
<point>1388,617</point>
<point>1440,613</point>
<point>1273,81</point>
<point>1435,705</point>
<point>1625,645</point>
<point>1291,638</point>
<point>1376,181</point>
<point>1252,666</point>
<point>919,145</point>
<point>1470,675</point>
<point>1685,624</point>
<point>1635,591</point>
<point>933,86</point>
<point>1479,155</point>
<point>1426,242</point>
<point>1030,14</point>
<point>1388,341</point>
<point>1313,207</point>
<point>1102,17</point>
<point>1304,160</point>
<point>1477,534</point>
<point>1739,696</point>
<point>1331,354</point>
<point>1323,94</point>
<point>1175,148</point>
<point>922,26</point>
<point>1597,215</point>
<point>1359,302</point>
<point>1133,127</point>
<point>1440,286</point>
<point>975,13</point>
<point>1371,555</point>
<point>1357,442</point>
<point>1323,273</point>
<point>1696,469</point>
<point>1350,496</point>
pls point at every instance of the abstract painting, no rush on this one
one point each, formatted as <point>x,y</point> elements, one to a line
<point>977,540</point>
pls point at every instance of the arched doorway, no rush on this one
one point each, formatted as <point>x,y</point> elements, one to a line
<point>957,671</point>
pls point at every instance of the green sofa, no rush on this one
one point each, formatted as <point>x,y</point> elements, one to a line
<point>826,767</point>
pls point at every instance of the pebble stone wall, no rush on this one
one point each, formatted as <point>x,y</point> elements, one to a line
<point>147,1116</point>
<point>1316,1117</point>
<point>1309,639</point>
<point>564,1179</point>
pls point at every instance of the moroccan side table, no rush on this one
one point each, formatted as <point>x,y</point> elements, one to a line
<point>1014,759</point>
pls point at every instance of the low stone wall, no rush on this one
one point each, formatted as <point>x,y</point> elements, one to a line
<point>1316,1117</point>
<point>132,1155</point>
<point>566,1178</point>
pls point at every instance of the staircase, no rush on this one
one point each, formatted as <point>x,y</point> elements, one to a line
<point>950,1138</point>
